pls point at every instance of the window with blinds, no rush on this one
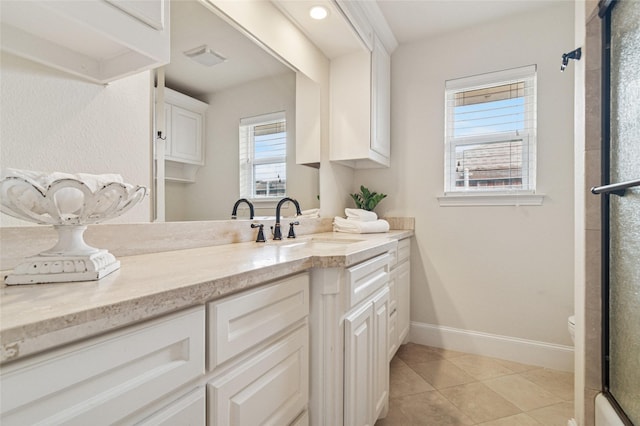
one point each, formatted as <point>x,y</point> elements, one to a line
<point>490,132</point>
<point>263,156</point>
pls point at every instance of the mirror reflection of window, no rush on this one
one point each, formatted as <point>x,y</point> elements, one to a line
<point>263,156</point>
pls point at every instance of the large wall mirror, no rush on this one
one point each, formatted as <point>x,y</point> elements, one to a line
<point>248,84</point>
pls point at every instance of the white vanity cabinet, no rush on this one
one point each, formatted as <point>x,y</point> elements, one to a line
<point>185,135</point>
<point>349,343</point>
<point>119,377</point>
<point>399,305</point>
<point>99,40</point>
<point>246,364</point>
<point>366,369</point>
<point>258,356</point>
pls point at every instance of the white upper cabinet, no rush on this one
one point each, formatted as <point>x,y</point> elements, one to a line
<point>360,96</point>
<point>308,123</point>
<point>150,12</point>
<point>185,135</point>
<point>99,40</point>
<point>380,100</point>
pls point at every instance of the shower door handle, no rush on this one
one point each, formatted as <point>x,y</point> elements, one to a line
<point>615,188</point>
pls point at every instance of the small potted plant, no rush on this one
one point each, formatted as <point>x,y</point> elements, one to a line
<point>367,200</point>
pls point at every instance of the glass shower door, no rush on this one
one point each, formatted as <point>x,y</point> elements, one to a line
<point>621,206</point>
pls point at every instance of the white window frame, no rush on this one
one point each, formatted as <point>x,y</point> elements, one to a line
<point>247,180</point>
<point>454,196</point>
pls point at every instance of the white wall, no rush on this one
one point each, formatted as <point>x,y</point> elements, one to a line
<point>51,121</point>
<point>217,185</point>
<point>500,270</point>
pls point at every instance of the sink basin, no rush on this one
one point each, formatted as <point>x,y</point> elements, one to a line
<point>329,240</point>
<point>316,242</point>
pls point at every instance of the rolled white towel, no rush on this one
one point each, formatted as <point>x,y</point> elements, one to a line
<point>361,215</point>
<point>310,213</point>
<point>358,227</point>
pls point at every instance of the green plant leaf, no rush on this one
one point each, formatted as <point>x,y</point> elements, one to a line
<point>367,200</point>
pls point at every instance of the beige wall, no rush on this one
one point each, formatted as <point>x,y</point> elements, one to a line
<point>52,121</point>
<point>499,270</point>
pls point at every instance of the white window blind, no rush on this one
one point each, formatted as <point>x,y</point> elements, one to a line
<point>263,156</point>
<point>490,132</point>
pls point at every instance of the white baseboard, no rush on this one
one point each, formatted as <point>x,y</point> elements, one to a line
<point>532,352</point>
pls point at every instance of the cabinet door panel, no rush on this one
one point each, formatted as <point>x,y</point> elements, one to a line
<point>392,338</point>
<point>393,334</point>
<point>350,112</point>
<point>380,352</point>
<point>186,135</point>
<point>302,420</point>
<point>358,358</point>
<point>190,410</point>
<point>269,389</point>
<point>404,250</point>
<point>105,379</point>
<point>403,289</point>
<point>381,100</point>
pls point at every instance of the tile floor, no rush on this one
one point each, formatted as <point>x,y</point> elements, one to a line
<point>432,386</point>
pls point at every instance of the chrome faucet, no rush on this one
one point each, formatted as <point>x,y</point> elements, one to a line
<point>277,234</point>
<point>234,213</point>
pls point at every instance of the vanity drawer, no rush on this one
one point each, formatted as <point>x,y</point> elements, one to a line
<point>241,322</point>
<point>105,379</point>
<point>365,278</point>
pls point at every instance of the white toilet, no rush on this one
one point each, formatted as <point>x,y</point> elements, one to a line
<point>571,324</point>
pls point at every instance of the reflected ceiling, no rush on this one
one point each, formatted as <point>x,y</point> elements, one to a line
<point>193,25</point>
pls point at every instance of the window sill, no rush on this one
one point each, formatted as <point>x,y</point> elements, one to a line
<point>269,203</point>
<point>489,199</point>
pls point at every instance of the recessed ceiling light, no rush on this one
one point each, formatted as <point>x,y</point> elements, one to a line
<point>318,12</point>
<point>205,56</point>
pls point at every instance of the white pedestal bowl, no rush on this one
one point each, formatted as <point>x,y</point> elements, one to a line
<point>69,203</point>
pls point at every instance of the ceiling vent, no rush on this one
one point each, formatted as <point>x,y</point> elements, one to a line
<point>205,56</point>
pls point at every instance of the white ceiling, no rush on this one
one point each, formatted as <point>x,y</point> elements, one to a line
<point>333,35</point>
<point>412,20</point>
<point>193,25</point>
<point>409,20</point>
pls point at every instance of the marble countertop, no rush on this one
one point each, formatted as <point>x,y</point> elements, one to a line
<point>38,317</point>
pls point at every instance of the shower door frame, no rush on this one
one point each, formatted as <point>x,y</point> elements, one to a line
<point>605,7</point>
